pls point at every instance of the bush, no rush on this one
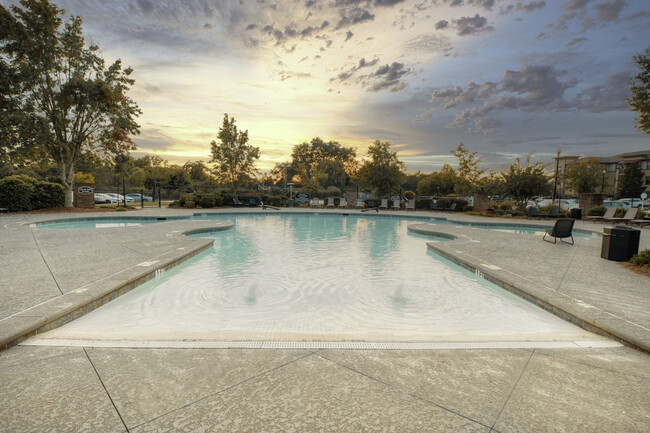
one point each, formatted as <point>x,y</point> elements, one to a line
<point>597,210</point>
<point>409,195</point>
<point>81,177</point>
<point>21,193</point>
<point>641,259</point>
<point>207,201</point>
<point>446,202</point>
<point>16,192</point>
<point>276,201</point>
<point>48,195</point>
<point>422,203</point>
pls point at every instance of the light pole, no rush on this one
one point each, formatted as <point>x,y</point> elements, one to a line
<point>557,166</point>
<point>602,185</point>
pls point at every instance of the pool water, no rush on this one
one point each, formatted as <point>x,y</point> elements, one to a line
<point>311,277</point>
<point>95,223</point>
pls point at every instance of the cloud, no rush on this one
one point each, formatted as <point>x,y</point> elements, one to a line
<point>485,4</point>
<point>530,89</point>
<point>355,16</point>
<point>576,41</point>
<point>441,24</point>
<point>471,25</point>
<point>607,97</point>
<point>387,77</point>
<point>531,6</point>
<point>609,10</point>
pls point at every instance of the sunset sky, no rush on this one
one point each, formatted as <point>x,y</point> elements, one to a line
<point>504,77</point>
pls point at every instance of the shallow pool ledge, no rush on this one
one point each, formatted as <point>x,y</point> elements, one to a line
<point>586,316</point>
<point>82,300</point>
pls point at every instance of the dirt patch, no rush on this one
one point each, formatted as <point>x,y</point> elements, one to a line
<point>641,270</point>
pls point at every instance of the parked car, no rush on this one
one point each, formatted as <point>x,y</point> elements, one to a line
<point>630,202</point>
<point>613,203</point>
<point>119,198</point>
<point>101,198</point>
<point>136,197</point>
<point>564,203</point>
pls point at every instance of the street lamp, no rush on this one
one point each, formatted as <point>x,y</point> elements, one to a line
<point>602,185</point>
<point>557,167</point>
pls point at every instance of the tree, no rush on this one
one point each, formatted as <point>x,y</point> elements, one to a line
<point>584,177</point>
<point>234,159</point>
<point>631,181</point>
<point>198,171</point>
<point>65,101</point>
<point>383,172</point>
<point>640,88</point>
<point>523,182</point>
<point>468,173</point>
<point>305,158</point>
<point>438,184</point>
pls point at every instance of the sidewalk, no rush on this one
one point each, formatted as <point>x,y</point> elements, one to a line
<point>141,390</point>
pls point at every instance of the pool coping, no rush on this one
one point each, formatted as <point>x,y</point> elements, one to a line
<point>570,309</point>
<point>69,306</point>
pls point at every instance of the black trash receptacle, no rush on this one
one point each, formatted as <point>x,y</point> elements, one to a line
<point>620,243</point>
<point>576,213</point>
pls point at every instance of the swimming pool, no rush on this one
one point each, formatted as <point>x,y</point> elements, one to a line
<point>324,278</point>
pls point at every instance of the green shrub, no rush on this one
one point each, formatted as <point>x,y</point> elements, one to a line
<point>409,194</point>
<point>422,203</point>
<point>48,195</point>
<point>16,192</point>
<point>619,213</point>
<point>641,259</point>
<point>446,202</point>
<point>208,201</point>
<point>21,193</point>
<point>277,200</point>
<point>597,210</point>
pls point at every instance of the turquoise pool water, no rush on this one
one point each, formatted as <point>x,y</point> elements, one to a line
<point>94,223</point>
<point>295,277</point>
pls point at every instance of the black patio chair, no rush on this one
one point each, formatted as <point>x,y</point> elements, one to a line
<point>533,213</point>
<point>561,229</point>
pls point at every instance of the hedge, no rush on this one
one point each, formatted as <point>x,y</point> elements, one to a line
<point>23,193</point>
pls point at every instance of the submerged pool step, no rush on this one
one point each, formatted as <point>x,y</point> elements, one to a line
<point>350,345</point>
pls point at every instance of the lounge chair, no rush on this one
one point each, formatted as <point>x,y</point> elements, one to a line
<point>410,205</point>
<point>236,202</point>
<point>343,203</point>
<point>330,202</point>
<point>384,204</point>
<point>315,202</point>
<point>629,216</point>
<point>433,206</point>
<point>561,229</point>
<point>359,203</point>
<point>609,213</point>
<point>252,202</point>
<point>395,205</point>
<point>452,208</point>
<point>640,223</point>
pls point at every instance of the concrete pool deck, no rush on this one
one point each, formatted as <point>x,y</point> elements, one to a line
<point>501,390</point>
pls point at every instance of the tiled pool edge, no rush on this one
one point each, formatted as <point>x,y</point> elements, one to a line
<point>589,318</point>
<point>62,309</point>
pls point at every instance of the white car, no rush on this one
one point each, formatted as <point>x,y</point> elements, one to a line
<point>564,203</point>
<point>630,202</point>
<point>101,198</point>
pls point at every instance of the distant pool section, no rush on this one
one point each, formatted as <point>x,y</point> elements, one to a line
<point>102,222</point>
<point>128,221</point>
<point>301,277</point>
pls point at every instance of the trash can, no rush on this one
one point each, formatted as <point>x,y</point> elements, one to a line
<point>620,243</point>
<point>576,213</point>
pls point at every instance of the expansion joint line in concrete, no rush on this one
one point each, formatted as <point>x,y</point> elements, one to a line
<point>225,389</point>
<point>566,270</point>
<point>45,261</point>
<point>127,246</point>
<point>106,390</point>
<point>512,390</point>
<point>400,390</point>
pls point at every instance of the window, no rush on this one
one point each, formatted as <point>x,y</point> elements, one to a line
<point>647,180</point>
<point>644,165</point>
<point>611,167</point>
